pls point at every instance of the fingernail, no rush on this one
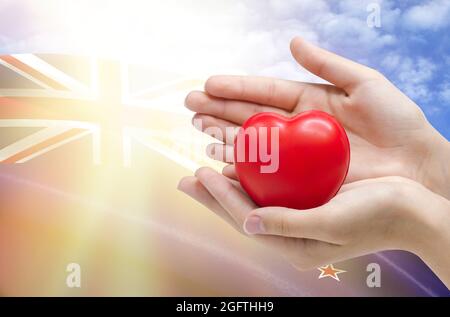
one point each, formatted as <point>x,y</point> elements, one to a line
<point>253,225</point>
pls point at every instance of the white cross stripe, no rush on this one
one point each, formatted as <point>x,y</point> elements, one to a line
<point>53,73</point>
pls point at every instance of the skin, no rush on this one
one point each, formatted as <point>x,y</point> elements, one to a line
<point>397,189</point>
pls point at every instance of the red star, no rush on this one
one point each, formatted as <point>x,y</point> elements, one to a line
<point>330,271</point>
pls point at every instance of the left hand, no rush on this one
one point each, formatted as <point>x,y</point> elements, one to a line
<point>364,217</point>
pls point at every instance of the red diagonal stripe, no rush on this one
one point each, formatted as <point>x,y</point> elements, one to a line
<point>32,72</point>
<point>42,145</point>
<point>49,108</point>
<point>81,110</point>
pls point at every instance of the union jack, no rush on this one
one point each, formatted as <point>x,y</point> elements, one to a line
<point>70,97</point>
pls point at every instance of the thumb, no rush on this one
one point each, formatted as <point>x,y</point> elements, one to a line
<point>335,69</point>
<point>308,224</point>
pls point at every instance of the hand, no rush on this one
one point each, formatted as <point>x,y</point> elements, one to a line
<point>388,132</point>
<point>364,217</point>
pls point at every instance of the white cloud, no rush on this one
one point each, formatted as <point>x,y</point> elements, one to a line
<point>431,15</point>
<point>270,25</point>
<point>353,33</point>
<point>295,9</point>
<point>412,75</point>
<point>416,71</point>
<point>251,36</point>
<point>391,61</point>
<point>444,93</point>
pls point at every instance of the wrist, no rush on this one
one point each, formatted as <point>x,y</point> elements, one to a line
<point>429,234</point>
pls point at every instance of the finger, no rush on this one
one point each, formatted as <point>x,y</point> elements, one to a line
<point>230,172</point>
<point>339,71</point>
<point>231,199</point>
<point>310,224</point>
<point>234,111</point>
<point>279,93</point>
<point>222,130</point>
<point>220,152</point>
<point>194,188</point>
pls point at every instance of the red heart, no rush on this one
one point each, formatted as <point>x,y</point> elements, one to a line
<point>313,159</point>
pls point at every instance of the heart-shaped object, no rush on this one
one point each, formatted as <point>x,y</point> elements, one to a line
<point>299,162</point>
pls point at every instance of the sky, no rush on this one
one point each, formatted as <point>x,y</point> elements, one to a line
<point>411,46</point>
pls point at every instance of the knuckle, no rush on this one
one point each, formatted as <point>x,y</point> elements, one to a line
<point>242,86</point>
<point>222,110</point>
<point>226,191</point>
<point>271,91</point>
<point>284,224</point>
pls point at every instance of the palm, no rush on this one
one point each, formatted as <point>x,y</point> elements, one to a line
<point>383,125</point>
<point>384,128</point>
<point>380,122</point>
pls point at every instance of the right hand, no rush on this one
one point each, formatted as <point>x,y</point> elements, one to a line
<point>388,133</point>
